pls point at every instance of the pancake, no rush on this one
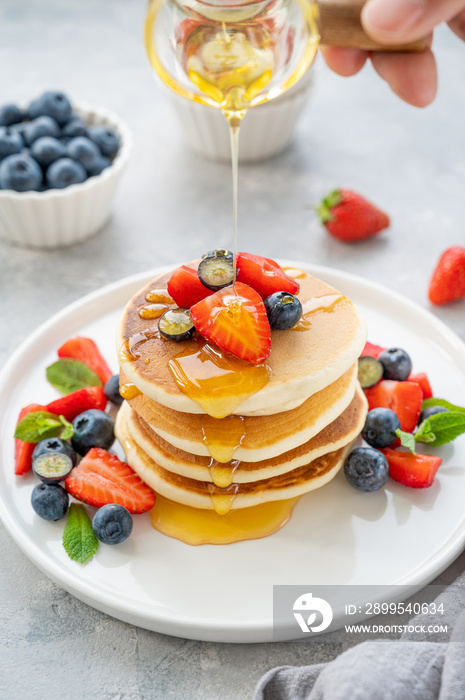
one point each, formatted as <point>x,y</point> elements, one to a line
<point>303,360</point>
<point>201,494</point>
<point>337,434</point>
<point>250,438</point>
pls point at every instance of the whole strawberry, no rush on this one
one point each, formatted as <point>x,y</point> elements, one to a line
<point>448,281</point>
<point>350,217</point>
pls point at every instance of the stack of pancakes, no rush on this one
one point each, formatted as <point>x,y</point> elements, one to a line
<point>288,437</point>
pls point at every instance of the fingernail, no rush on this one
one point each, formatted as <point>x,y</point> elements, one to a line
<point>393,16</point>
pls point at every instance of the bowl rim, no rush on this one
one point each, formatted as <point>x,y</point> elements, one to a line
<point>115,122</point>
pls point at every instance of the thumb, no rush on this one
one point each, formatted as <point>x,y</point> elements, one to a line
<point>396,21</point>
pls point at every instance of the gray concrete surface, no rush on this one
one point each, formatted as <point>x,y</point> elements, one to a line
<point>170,206</point>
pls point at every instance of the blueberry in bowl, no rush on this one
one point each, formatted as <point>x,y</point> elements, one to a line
<point>54,203</point>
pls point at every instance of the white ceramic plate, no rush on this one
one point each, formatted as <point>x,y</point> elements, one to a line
<point>335,536</point>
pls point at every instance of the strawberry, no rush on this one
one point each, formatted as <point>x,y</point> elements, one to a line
<point>86,351</point>
<point>186,288</point>
<point>404,398</point>
<point>234,318</point>
<point>349,217</point>
<point>423,382</point>
<point>264,275</point>
<point>417,471</point>
<point>372,350</point>
<point>101,478</point>
<point>78,401</point>
<point>24,450</point>
<point>448,281</point>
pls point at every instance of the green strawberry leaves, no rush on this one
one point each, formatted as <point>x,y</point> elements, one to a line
<point>437,430</point>
<point>41,425</point>
<point>69,375</point>
<point>79,539</point>
<point>324,209</point>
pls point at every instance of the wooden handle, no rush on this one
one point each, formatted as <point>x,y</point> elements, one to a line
<point>340,25</point>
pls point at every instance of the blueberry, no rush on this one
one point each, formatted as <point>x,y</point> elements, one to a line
<point>380,427</point>
<point>11,142</point>
<point>284,310</point>
<point>216,271</point>
<point>397,364</point>
<point>106,140</point>
<point>219,251</point>
<point>84,151</point>
<point>93,428</point>
<point>431,411</point>
<point>111,390</point>
<point>42,126</point>
<point>46,150</point>
<point>54,445</point>
<point>50,501</point>
<point>51,104</point>
<point>74,127</point>
<point>176,324</point>
<point>64,172</point>
<point>112,524</point>
<point>20,172</point>
<point>99,166</point>
<point>366,469</point>
<point>52,467</point>
<point>10,114</point>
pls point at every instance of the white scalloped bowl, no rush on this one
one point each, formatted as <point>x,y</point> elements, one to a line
<point>266,131</point>
<point>57,218</point>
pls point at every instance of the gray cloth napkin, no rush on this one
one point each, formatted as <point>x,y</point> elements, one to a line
<point>409,668</point>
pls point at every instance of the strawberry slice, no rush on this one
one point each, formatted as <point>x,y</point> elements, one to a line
<point>78,401</point>
<point>264,275</point>
<point>404,398</point>
<point>234,318</point>
<point>86,351</point>
<point>422,380</point>
<point>372,350</point>
<point>417,471</point>
<point>101,478</point>
<point>24,450</point>
<point>186,288</point>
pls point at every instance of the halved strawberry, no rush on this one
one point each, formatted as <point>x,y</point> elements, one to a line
<point>404,398</point>
<point>101,478</point>
<point>186,288</point>
<point>371,350</point>
<point>86,351</point>
<point>417,471</point>
<point>24,450</point>
<point>264,275</point>
<point>422,380</point>
<point>78,401</point>
<point>235,320</point>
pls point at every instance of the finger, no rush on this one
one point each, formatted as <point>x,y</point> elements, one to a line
<point>458,25</point>
<point>413,77</point>
<point>344,61</point>
<point>396,21</point>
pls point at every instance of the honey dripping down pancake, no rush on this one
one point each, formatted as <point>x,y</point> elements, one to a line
<point>303,360</point>
<point>251,438</point>
<point>229,447</point>
<point>337,434</point>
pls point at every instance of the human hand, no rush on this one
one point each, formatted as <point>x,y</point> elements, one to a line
<point>413,77</point>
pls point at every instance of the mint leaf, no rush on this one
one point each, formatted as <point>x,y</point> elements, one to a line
<point>79,539</point>
<point>424,432</point>
<point>442,402</point>
<point>38,426</point>
<point>407,440</point>
<point>69,375</point>
<point>68,432</point>
<point>441,428</point>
